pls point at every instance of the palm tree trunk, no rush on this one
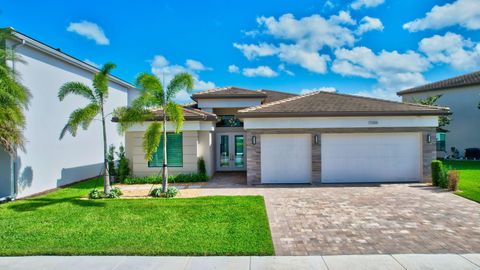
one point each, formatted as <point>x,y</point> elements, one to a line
<point>106,176</point>
<point>164,167</point>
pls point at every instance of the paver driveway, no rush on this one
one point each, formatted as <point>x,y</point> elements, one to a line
<point>366,219</point>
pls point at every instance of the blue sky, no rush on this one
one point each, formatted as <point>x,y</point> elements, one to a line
<point>366,47</point>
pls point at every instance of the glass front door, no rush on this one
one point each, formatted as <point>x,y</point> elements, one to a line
<point>230,152</point>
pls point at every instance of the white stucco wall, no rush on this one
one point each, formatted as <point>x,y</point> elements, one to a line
<point>49,162</point>
<point>465,125</point>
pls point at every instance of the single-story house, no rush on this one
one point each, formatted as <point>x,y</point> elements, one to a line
<point>49,162</point>
<point>462,95</point>
<point>284,138</point>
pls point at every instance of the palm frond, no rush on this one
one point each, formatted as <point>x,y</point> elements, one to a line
<point>175,115</point>
<point>100,80</point>
<point>128,116</point>
<point>146,100</point>
<point>181,81</point>
<point>151,139</point>
<point>14,99</point>
<point>151,84</point>
<point>76,88</point>
<point>80,117</point>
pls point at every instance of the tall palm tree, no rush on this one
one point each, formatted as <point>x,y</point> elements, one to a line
<point>14,99</point>
<point>154,96</point>
<point>84,116</point>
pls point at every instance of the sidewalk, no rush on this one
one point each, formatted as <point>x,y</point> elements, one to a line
<point>381,262</point>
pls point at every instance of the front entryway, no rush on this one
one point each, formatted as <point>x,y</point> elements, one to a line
<point>230,152</point>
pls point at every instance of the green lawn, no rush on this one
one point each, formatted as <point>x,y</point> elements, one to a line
<point>469,184</point>
<point>62,223</point>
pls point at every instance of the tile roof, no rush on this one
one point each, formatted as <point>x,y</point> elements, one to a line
<point>334,104</point>
<point>275,95</point>
<point>464,80</point>
<point>229,92</point>
<point>190,114</point>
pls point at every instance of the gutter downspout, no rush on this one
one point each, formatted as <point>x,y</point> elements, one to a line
<point>13,157</point>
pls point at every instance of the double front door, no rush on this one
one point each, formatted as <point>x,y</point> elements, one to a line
<point>230,152</point>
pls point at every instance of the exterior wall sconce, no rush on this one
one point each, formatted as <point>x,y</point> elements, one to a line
<point>254,140</point>
<point>429,138</point>
<point>316,139</point>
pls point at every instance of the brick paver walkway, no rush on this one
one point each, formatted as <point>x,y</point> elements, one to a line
<point>363,219</point>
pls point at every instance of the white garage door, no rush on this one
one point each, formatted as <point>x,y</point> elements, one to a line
<point>286,158</point>
<point>371,157</point>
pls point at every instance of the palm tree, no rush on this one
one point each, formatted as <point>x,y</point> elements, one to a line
<point>84,116</point>
<point>14,99</point>
<point>154,96</point>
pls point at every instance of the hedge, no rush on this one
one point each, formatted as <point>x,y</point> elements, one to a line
<point>157,179</point>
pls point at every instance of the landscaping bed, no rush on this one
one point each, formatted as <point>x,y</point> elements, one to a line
<point>65,223</point>
<point>469,184</point>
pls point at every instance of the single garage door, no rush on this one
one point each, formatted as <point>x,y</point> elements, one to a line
<point>371,157</point>
<point>286,158</point>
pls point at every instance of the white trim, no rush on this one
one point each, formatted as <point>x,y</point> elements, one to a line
<point>341,122</point>
<point>187,126</point>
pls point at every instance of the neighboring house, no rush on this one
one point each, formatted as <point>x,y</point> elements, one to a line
<point>462,95</point>
<point>49,162</point>
<point>285,138</point>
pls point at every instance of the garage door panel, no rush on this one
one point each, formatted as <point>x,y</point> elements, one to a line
<point>371,157</point>
<point>286,158</point>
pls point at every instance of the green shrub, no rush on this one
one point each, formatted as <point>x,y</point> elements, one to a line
<point>170,193</point>
<point>157,179</point>
<point>95,194</point>
<point>443,180</point>
<point>111,160</point>
<point>201,168</point>
<point>123,169</point>
<point>439,174</point>
<point>436,171</point>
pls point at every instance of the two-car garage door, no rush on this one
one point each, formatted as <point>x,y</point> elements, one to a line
<point>371,157</point>
<point>345,158</point>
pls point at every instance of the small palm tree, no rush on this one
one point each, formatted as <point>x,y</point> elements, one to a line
<point>84,116</point>
<point>14,99</point>
<point>154,96</point>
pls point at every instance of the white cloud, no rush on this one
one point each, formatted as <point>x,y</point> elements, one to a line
<point>312,33</point>
<point>369,24</point>
<point>378,93</point>
<point>233,69</point>
<point>162,68</point>
<point>319,89</point>
<point>357,4</point>
<point>260,71</point>
<point>343,17</point>
<point>196,65</point>
<point>91,63</point>
<point>465,13</point>
<point>393,71</point>
<point>282,68</point>
<point>252,51</point>
<point>452,49</point>
<point>310,60</point>
<point>90,31</point>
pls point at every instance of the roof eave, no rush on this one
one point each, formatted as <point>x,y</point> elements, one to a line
<point>196,97</point>
<point>66,57</point>
<point>340,114</point>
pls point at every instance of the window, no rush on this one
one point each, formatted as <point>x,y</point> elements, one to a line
<point>441,141</point>
<point>174,152</point>
<point>229,121</point>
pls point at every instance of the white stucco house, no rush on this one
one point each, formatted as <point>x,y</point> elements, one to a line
<point>462,95</point>
<point>49,162</point>
<point>281,138</point>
